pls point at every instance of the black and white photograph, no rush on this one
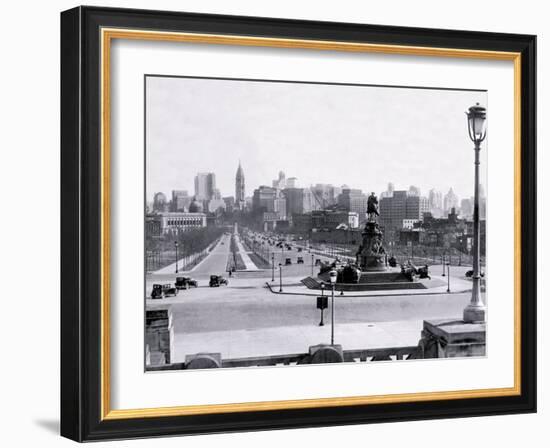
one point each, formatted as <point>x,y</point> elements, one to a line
<point>294,223</point>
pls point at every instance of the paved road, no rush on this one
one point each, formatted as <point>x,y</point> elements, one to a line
<point>246,305</point>
<point>216,261</point>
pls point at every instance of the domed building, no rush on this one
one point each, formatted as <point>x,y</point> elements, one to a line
<point>159,202</point>
<point>195,206</point>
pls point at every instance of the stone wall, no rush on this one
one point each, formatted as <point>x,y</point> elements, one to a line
<point>158,337</point>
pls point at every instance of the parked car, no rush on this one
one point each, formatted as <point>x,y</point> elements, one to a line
<point>470,273</point>
<point>217,280</point>
<point>392,261</point>
<point>162,291</point>
<point>288,261</point>
<point>300,260</point>
<point>299,249</point>
<point>317,262</point>
<point>186,283</point>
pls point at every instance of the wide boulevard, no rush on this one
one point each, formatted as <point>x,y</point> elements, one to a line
<point>236,318</point>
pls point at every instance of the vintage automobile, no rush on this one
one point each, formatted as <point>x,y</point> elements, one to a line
<point>409,271</point>
<point>300,260</point>
<point>288,261</point>
<point>300,249</point>
<point>186,283</point>
<point>217,280</point>
<point>162,291</point>
<point>317,262</point>
<point>392,261</point>
<point>423,272</point>
<point>470,273</point>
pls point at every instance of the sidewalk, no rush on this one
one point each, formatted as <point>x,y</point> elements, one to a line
<point>297,339</point>
<point>250,266</point>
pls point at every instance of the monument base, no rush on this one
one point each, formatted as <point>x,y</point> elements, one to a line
<point>391,279</point>
<point>452,338</point>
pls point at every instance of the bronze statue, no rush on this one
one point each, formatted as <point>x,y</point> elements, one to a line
<point>372,206</point>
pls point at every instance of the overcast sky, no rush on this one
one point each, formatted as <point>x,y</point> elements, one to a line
<point>361,136</point>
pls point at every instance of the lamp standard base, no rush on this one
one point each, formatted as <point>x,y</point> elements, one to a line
<point>475,314</point>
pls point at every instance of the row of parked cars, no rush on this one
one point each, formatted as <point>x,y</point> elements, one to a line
<point>160,291</point>
<point>299,260</point>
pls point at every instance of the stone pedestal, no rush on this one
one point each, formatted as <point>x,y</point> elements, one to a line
<point>158,336</point>
<point>371,255</point>
<point>452,338</point>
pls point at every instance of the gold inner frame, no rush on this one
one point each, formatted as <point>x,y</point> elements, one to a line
<point>107,35</point>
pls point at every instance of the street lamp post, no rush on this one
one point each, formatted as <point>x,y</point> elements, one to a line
<point>448,277</point>
<point>333,274</point>
<point>443,264</point>
<point>312,264</point>
<point>322,323</point>
<point>475,311</point>
<point>272,267</point>
<point>176,244</point>
<point>280,277</point>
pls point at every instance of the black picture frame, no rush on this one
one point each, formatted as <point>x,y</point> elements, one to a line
<point>81,380</point>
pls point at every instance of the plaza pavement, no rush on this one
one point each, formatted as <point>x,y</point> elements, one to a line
<point>246,343</point>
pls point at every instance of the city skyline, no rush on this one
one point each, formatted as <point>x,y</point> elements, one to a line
<point>283,125</point>
<point>249,189</point>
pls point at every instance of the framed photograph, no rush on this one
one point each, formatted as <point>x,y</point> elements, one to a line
<point>273,223</point>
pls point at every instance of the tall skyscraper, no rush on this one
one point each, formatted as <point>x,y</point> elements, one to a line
<point>326,195</point>
<point>292,182</point>
<point>389,191</point>
<point>414,190</point>
<point>280,182</point>
<point>450,201</point>
<point>466,208</point>
<point>353,200</point>
<point>299,201</point>
<point>180,200</point>
<point>400,208</point>
<point>205,185</point>
<point>435,203</point>
<point>263,199</point>
<point>240,203</point>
